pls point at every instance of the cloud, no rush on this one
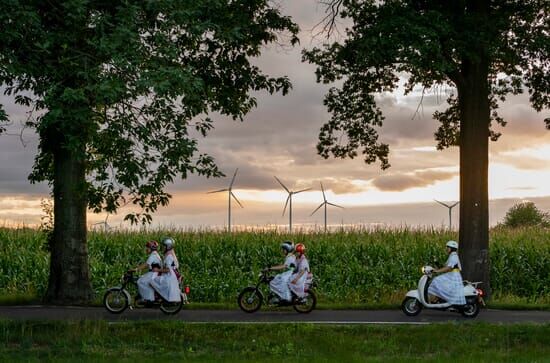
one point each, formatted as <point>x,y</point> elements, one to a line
<point>279,137</point>
<point>343,186</point>
<point>401,182</point>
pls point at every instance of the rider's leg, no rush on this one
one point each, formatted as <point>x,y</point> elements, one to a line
<point>145,289</point>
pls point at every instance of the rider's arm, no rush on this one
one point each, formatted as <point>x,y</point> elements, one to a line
<point>443,269</point>
<point>295,280</point>
<point>141,267</point>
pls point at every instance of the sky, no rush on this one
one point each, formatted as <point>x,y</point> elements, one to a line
<point>279,138</point>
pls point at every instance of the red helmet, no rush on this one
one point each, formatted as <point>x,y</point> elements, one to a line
<point>300,248</point>
<point>152,245</point>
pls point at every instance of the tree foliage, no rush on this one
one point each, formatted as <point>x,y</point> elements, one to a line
<point>432,44</point>
<point>125,84</point>
<point>526,214</point>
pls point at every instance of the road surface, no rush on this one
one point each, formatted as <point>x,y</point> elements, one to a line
<point>286,315</point>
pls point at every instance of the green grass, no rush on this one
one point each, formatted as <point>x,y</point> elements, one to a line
<point>352,268</point>
<point>89,341</point>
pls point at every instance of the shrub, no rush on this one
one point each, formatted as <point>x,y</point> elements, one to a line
<point>526,214</point>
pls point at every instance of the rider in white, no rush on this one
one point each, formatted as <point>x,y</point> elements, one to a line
<point>153,265</point>
<point>299,277</point>
<point>449,286</point>
<point>166,282</point>
<point>279,284</point>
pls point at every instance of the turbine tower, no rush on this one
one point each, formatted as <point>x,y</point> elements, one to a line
<point>325,203</point>
<point>289,200</point>
<point>450,207</point>
<point>230,195</point>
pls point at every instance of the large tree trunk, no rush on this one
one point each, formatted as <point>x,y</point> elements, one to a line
<point>69,281</point>
<point>473,95</point>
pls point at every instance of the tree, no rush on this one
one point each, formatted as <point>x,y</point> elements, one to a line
<point>120,86</point>
<point>482,49</point>
<point>526,214</point>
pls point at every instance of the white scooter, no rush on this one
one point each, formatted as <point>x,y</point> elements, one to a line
<point>417,299</point>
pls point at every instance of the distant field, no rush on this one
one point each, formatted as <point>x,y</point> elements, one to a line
<point>357,267</point>
<point>154,341</point>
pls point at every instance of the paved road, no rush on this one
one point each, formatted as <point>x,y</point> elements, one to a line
<point>236,316</point>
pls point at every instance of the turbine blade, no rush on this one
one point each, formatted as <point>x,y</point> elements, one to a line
<point>280,182</point>
<point>233,179</point>
<point>443,204</point>
<point>303,190</point>
<point>234,197</point>
<point>217,191</point>
<point>323,190</point>
<point>316,209</point>
<point>335,205</point>
<point>454,205</point>
<point>286,203</point>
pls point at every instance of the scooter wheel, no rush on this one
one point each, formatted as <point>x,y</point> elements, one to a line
<point>250,299</point>
<point>470,310</point>
<point>411,306</point>
<point>171,308</point>
<point>308,304</point>
<point>115,300</point>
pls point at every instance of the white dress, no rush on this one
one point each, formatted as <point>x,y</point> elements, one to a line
<point>167,283</point>
<point>298,287</point>
<point>144,282</point>
<point>279,285</point>
<point>449,286</point>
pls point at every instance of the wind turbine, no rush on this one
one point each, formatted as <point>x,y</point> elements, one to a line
<point>289,199</point>
<point>450,206</point>
<point>325,203</point>
<point>230,195</point>
<point>106,227</point>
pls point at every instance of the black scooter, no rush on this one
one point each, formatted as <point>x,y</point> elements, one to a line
<point>251,298</point>
<point>117,299</point>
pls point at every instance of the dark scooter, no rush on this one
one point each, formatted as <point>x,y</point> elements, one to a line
<point>117,299</point>
<point>251,298</point>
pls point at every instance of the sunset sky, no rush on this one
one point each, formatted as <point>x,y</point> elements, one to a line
<point>279,138</point>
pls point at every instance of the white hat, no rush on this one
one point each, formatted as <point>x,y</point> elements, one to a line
<point>452,244</point>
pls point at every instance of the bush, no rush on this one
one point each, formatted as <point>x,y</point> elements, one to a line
<point>526,214</point>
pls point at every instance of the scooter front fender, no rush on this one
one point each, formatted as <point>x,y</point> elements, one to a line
<point>413,293</point>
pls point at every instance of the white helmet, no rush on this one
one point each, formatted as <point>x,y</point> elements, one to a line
<point>288,246</point>
<point>452,244</point>
<point>168,243</point>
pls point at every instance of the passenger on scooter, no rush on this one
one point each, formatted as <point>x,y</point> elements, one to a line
<point>167,281</point>
<point>448,286</point>
<point>153,265</point>
<point>279,284</point>
<point>300,275</point>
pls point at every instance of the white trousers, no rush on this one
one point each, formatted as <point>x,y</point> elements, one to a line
<point>167,285</point>
<point>279,285</point>
<point>144,286</point>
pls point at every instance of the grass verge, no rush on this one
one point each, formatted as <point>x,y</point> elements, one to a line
<point>91,341</point>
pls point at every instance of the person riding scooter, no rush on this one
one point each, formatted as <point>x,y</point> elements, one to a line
<point>448,286</point>
<point>166,282</point>
<point>279,284</point>
<point>300,275</point>
<point>153,265</point>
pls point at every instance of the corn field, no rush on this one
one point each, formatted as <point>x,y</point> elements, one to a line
<point>350,267</point>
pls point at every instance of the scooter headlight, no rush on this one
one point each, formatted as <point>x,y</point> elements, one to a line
<point>423,270</point>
